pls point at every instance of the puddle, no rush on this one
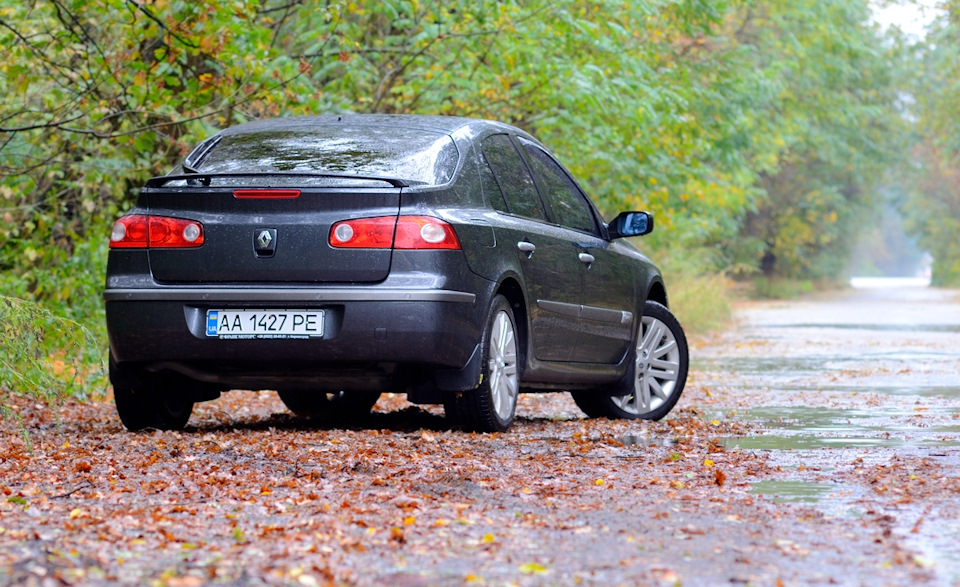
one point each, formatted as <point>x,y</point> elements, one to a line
<point>892,361</point>
<point>803,428</point>
<point>647,440</point>
<point>792,491</point>
<point>951,328</point>
<point>801,442</point>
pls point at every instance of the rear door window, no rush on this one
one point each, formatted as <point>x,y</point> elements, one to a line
<point>513,177</point>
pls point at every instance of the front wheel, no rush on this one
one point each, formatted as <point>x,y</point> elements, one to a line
<point>491,406</point>
<point>658,372</point>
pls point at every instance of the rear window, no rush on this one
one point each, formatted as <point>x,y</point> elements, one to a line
<point>416,156</point>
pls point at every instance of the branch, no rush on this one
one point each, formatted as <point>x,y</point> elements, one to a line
<point>161,24</point>
<point>56,124</point>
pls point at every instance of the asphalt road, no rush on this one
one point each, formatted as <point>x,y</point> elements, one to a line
<point>855,396</point>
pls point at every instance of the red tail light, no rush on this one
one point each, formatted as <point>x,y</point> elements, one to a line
<point>363,233</point>
<point>384,232</point>
<point>423,232</point>
<point>136,231</point>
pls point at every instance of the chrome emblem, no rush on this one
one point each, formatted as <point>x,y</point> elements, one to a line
<point>265,242</point>
<point>264,239</point>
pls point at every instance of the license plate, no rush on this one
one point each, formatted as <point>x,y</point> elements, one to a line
<point>265,323</point>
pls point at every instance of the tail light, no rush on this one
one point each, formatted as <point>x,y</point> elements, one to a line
<point>140,232</point>
<point>403,232</point>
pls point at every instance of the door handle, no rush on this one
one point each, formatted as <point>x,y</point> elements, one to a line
<point>586,258</point>
<point>527,247</point>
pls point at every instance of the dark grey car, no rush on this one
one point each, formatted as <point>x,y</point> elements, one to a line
<point>334,258</point>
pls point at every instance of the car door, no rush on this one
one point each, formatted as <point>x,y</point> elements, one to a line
<point>606,278</point>
<point>548,261</point>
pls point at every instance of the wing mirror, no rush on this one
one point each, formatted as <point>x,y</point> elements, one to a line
<point>630,224</point>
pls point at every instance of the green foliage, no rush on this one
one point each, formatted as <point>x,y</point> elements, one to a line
<point>41,355</point>
<point>932,179</point>
<point>827,138</point>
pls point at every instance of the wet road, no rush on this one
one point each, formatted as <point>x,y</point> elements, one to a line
<point>857,399</point>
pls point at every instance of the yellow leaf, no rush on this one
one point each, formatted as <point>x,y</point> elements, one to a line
<point>76,513</point>
<point>488,538</point>
<point>533,569</point>
<point>598,482</point>
<point>708,463</point>
<point>409,520</point>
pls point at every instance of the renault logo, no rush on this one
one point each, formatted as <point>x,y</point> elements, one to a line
<point>265,242</point>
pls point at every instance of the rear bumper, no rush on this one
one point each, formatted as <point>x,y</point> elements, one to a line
<point>365,328</point>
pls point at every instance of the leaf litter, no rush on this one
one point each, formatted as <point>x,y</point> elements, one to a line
<point>250,494</point>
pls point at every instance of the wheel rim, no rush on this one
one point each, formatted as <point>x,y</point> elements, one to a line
<point>657,368</point>
<point>502,365</point>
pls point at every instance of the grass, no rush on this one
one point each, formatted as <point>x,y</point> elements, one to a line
<point>43,356</point>
<point>780,288</point>
<point>701,301</point>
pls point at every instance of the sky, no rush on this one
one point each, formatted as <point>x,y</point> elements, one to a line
<point>911,17</point>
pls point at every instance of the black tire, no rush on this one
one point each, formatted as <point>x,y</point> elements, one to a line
<point>492,405</point>
<point>656,377</point>
<point>346,404</point>
<point>159,403</point>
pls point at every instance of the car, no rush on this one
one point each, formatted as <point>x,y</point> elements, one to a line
<point>334,258</point>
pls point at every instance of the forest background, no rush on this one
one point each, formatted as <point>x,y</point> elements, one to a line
<point>772,139</point>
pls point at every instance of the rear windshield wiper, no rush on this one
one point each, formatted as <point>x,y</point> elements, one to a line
<point>206,178</point>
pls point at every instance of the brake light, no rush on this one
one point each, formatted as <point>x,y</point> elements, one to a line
<point>384,232</point>
<point>137,231</point>
<point>266,194</point>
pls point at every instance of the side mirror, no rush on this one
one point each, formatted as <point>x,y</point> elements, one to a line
<point>630,224</point>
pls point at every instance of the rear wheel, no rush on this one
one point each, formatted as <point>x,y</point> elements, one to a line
<point>658,373</point>
<point>159,402</point>
<point>317,403</point>
<point>491,406</point>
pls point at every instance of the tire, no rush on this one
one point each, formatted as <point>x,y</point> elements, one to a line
<point>345,404</point>
<point>492,405</point>
<point>658,372</point>
<point>158,403</point>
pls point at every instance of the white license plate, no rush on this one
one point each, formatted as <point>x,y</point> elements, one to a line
<point>265,323</point>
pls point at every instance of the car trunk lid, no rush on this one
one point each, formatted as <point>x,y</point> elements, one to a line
<point>270,235</point>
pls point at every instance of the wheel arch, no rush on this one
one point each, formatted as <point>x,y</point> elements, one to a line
<point>657,292</point>
<point>511,289</point>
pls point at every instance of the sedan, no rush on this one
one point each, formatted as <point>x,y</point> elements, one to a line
<point>335,258</point>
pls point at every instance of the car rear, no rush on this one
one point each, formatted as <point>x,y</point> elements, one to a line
<point>279,256</point>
